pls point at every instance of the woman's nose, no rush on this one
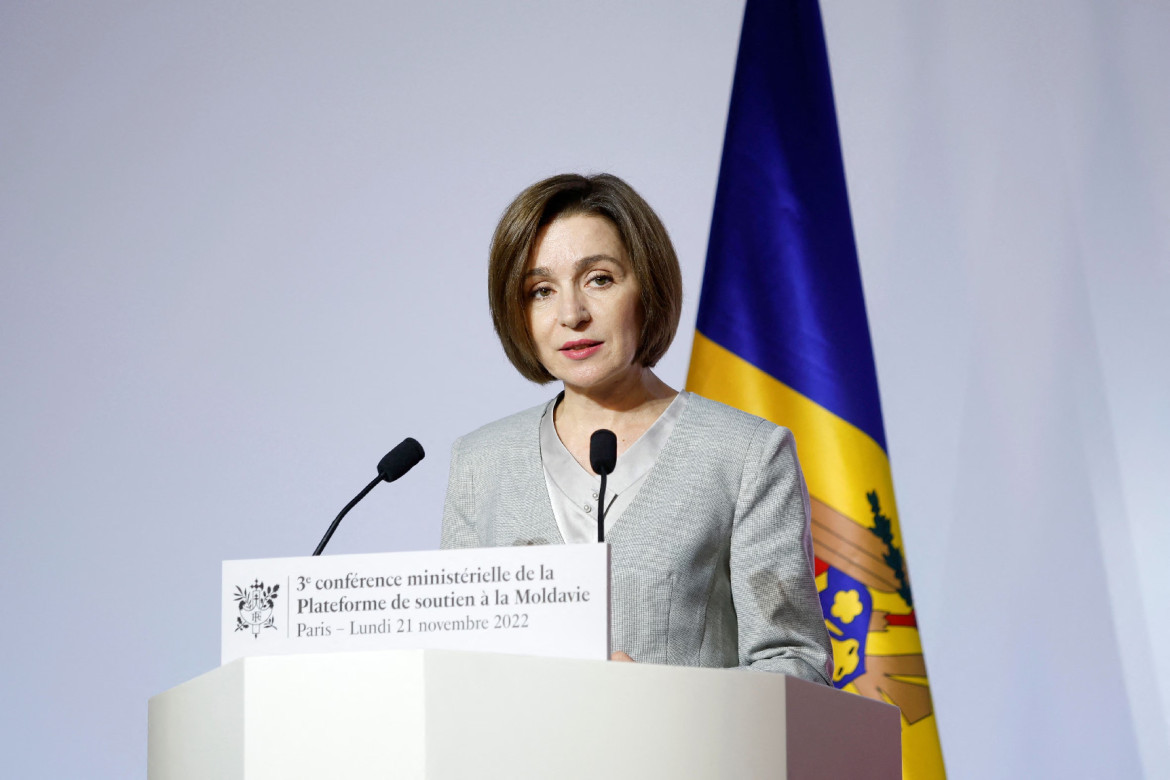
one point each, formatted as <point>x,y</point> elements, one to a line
<point>573,311</point>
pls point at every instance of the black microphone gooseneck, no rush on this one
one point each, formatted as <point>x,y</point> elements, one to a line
<point>393,465</point>
<point>603,458</point>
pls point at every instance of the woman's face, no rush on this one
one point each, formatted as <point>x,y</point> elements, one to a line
<point>584,304</point>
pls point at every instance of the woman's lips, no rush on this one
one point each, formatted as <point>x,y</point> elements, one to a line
<point>579,350</point>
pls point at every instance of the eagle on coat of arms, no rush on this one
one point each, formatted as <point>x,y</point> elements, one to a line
<point>865,597</point>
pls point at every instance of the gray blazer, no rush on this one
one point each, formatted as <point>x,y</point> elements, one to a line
<point>712,562</point>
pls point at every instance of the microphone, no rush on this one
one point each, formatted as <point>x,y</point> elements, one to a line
<point>602,458</point>
<point>393,465</point>
<point>400,460</point>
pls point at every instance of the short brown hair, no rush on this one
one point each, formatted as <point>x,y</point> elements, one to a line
<point>652,255</point>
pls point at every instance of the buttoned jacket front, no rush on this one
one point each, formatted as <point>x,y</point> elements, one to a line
<point>711,562</point>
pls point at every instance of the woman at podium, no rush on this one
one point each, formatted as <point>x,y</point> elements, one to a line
<point>707,514</point>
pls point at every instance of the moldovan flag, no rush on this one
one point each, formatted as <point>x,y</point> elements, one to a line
<point>782,333</point>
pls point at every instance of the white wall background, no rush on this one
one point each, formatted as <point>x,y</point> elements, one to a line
<point>242,252</point>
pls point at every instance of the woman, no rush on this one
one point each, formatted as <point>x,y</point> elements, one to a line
<point>708,523</point>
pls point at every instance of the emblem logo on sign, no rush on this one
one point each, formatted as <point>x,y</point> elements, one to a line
<point>255,602</point>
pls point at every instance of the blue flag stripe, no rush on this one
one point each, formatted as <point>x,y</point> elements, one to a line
<point>782,287</point>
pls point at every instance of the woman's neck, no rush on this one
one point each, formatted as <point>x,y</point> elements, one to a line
<point>627,410</point>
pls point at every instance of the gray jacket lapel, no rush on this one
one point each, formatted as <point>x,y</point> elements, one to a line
<point>530,509</point>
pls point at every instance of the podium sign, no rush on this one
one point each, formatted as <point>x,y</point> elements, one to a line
<point>547,600</point>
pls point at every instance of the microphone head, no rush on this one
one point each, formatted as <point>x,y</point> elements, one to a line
<point>400,460</point>
<point>603,451</point>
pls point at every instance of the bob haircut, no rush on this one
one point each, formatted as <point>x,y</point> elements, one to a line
<point>646,241</point>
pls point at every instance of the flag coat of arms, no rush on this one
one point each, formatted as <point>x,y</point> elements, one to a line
<point>782,333</point>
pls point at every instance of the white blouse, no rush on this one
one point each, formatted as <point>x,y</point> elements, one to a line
<point>573,490</point>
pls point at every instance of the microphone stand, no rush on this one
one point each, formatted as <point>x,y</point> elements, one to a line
<point>337,521</point>
<point>601,511</point>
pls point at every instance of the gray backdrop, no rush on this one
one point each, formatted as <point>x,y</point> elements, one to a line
<point>243,252</point>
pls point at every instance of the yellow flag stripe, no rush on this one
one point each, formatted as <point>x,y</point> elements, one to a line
<point>845,464</point>
<point>922,757</point>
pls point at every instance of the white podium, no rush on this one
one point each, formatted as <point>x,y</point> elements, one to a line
<point>445,715</point>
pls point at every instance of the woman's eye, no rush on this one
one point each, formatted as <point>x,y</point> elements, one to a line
<point>601,280</point>
<point>540,292</point>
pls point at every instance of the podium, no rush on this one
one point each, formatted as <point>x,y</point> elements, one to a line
<point>447,715</point>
